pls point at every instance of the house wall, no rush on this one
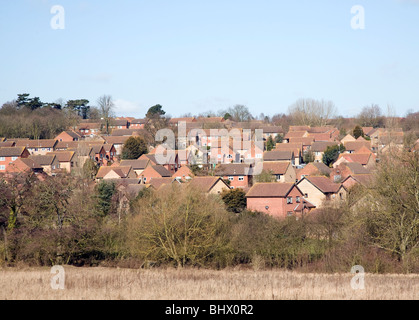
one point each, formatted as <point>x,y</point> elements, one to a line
<point>218,187</point>
<point>315,196</point>
<point>40,151</point>
<point>149,173</point>
<point>290,175</point>
<point>236,183</point>
<point>63,136</point>
<point>65,166</point>
<point>8,160</point>
<point>278,207</point>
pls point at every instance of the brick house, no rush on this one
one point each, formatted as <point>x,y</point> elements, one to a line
<point>314,169</point>
<point>11,154</point>
<point>154,171</point>
<point>138,165</point>
<point>239,175</point>
<point>137,123</point>
<point>279,200</point>
<point>209,185</point>
<point>89,129</point>
<point>110,173</point>
<point>68,136</point>
<point>183,174</point>
<point>24,165</point>
<point>38,147</point>
<point>119,124</point>
<point>118,142</point>
<point>355,179</point>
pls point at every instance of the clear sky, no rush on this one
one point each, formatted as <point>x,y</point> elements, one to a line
<point>200,55</point>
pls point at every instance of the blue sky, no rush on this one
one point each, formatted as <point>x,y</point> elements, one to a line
<point>196,55</point>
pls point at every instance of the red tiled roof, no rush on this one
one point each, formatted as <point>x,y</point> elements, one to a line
<point>270,190</point>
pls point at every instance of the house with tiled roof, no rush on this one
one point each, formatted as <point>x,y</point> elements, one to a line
<point>138,165</point>
<point>279,200</point>
<point>305,142</point>
<point>238,175</point>
<point>68,136</point>
<point>317,189</point>
<point>296,148</point>
<point>49,163</point>
<point>108,173</point>
<point>295,134</point>
<point>65,158</point>
<point>319,147</point>
<point>137,123</point>
<point>119,124</point>
<point>275,155</point>
<point>157,183</point>
<point>368,160</point>
<point>355,146</point>
<point>282,171</point>
<point>24,165</point>
<point>210,185</point>
<point>117,141</point>
<point>183,174</point>
<point>313,169</point>
<point>154,171</point>
<point>347,138</point>
<point>38,147</point>
<point>89,129</point>
<point>345,169</point>
<point>357,179</point>
<point>11,154</point>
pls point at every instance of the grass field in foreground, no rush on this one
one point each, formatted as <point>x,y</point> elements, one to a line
<point>194,284</point>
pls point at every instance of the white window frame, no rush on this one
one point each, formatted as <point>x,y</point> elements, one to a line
<point>241,178</point>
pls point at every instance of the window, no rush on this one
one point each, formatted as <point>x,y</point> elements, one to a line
<point>145,180</point>
<point>298,200</point>
<point>259,156</point>
<point>2,167</point>
<point>278,177</point>
<point>241,178</point>
<point>306,195</point>
<point>231,178</point>
<point>2,159</point>
<point>289,200</point>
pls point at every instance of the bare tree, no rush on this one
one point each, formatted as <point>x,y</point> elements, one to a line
<point>393,210</point>
<point>106,110</point>
<point>310,112</point>
<point>371,116</point>
<point>240,113</point>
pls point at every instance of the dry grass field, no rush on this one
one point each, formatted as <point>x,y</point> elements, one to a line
<point>128,284</point>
